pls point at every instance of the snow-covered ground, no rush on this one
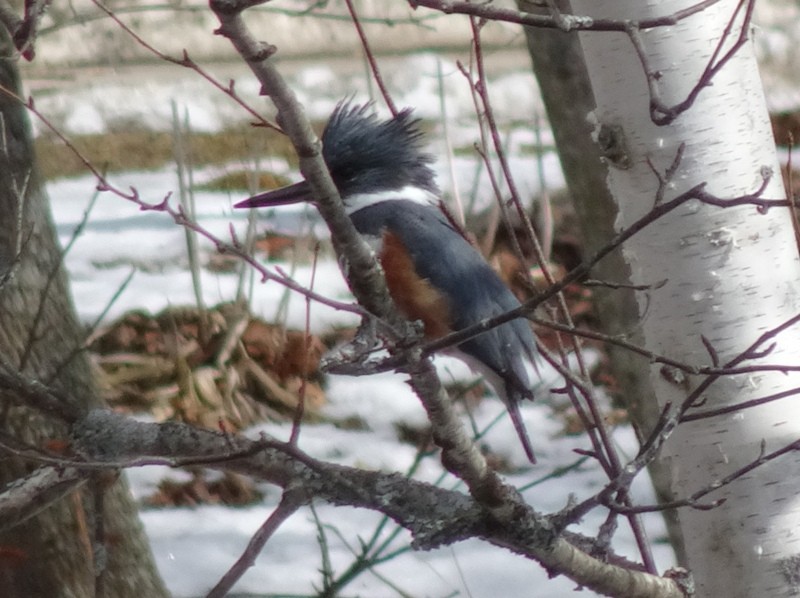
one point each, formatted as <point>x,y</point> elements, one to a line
<point>194,547</point>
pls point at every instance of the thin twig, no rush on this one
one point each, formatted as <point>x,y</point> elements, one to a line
<point>492,12</point>
<point>373,64</point>
<point>660,113</point>
<point>291,501</point>
<point>187,62</point>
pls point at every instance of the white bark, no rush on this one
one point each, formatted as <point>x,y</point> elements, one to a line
<point>731,276</point>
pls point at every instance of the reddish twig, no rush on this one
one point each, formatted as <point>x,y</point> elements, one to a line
<point>598,432</point>
<point>662,114</point>
<point>373,64</point>
<point>178,215</point>
<point>698,193</point>
<point>186,62</point>
<point>301,393</point>
<point>291,501</point>
<point>564,22</point>
<point>693,501</point>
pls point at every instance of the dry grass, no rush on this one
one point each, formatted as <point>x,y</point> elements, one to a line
<point>147,150</point>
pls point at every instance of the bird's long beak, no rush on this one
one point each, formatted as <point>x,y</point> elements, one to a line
<point>290,194</point>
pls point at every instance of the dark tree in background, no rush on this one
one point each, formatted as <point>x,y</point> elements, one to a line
<point>567,95</point>
<point>51,555</point>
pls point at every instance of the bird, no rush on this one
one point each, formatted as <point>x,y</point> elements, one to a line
<point>433,273</point>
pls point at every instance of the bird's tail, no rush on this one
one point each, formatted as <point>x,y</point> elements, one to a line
<point>512,404</point>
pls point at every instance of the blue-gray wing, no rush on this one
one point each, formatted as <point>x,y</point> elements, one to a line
<point>443,257</point>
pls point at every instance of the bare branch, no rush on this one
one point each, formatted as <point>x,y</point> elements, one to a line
<point>290,502</point>
<point>693,501</point>
<point>27,497</point>
<point>563,21</point>
<point>698,192</point>
<point>373,64</point>
<point>434,516</point>
<point>18,390</point>
<point>187,62</point>
<point>662,114</point>
<point>23,30</point>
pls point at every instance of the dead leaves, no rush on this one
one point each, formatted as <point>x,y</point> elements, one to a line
<point>216,368</point>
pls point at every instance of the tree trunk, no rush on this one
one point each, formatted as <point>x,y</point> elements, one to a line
<point>51,555</point>
<point>564,84</point>
<point>730,274</point>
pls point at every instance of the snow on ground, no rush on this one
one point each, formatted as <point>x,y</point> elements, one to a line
<point>194,547</point>
<point>119,238</point>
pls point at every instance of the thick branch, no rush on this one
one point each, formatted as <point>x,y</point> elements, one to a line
<point>31,495</point>
<point>435,516</point>
<point>364,276</point>
<point>19,390</point>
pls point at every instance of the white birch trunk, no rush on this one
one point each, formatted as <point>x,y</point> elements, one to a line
<point>732,274</point>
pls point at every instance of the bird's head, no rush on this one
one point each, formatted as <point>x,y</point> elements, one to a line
<point>370,160</point>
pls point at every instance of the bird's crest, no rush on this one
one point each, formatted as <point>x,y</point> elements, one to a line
<point>366,154</point>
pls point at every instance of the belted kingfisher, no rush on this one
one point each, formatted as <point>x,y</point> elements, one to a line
<point>432,272</point>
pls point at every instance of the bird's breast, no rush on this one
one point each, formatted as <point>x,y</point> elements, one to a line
<point>415,296</point>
